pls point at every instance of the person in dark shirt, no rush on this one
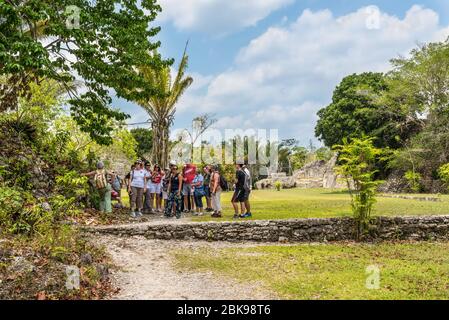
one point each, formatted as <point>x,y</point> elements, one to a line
<point>174,193</point>
<point>239,192</point>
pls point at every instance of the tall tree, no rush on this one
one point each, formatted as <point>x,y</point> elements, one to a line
<point>355,111</point>
<point>99,41</point>
<point>144,138</point>
<point>162,107</point>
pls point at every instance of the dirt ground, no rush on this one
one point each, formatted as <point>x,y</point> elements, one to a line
<point>145,272</point>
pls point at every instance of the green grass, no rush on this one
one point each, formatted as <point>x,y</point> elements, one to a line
<point>324,203</point>
<point>321,203</point>
<point>332,271</point>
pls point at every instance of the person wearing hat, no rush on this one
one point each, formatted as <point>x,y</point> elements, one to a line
<point>137,188</point>
<point>101,183</point>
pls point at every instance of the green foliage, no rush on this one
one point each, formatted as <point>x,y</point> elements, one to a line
<point>162,107</point>
<point>113,36</point>
<point>20,213</point>
<point>71,193</point>
<point>355,111</point>
<point>443,173</point>
<point>278,185</point>
<point>358,160</point>
<point>144,138</point>
<point>414,180</point>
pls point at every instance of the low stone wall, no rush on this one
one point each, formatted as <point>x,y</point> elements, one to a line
<point>294,230</point>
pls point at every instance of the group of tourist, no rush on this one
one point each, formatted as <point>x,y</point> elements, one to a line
<point>173,191</point>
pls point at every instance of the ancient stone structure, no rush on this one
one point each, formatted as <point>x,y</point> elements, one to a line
<point>317,174</point>
<point>292,230</point>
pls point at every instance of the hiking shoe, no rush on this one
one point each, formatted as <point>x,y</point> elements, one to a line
<point>138,214</point>
<point>132,214</point>
<point>216,215</point>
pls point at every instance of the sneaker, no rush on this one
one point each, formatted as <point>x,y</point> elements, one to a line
<point>133,214</point>
<point>247,215</point>
<point>138,214</point>
<point>236,216</point>
<point>216,215</point>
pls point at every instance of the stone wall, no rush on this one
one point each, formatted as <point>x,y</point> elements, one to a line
<point>293,230</point>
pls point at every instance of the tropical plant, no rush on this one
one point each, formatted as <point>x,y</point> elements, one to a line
<point>357,163</point>
<point>414,180</point>
<point>162,107</point>
<point>102,47</point>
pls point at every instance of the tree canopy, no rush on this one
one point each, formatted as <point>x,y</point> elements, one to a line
<point>47,40</point>
<point>356,111</point>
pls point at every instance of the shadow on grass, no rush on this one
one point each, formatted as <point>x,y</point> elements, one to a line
<point>336,192</point>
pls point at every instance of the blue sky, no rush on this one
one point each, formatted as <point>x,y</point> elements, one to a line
<point>274,63</point>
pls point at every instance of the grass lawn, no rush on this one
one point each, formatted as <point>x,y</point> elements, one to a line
<point>332,271</point>
<point>321,203</point>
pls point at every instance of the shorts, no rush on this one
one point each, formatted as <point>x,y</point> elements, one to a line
<point>239,196</point>
<point>154,187</point>
<point>187,189</point>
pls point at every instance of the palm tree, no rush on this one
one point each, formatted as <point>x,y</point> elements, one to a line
<point>161,108</point>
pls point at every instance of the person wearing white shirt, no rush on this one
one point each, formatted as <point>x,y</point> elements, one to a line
<point>137,187</point>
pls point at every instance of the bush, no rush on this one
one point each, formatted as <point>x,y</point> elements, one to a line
<point>443,173</point>
<point>278,185</point>
<point>413,180</point>
<point>358,160</point>
<point>20,213</point>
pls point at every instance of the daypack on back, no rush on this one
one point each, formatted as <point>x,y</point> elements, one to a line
<point>100,179</point>
<point>247,184</point>
<point>223,183</point>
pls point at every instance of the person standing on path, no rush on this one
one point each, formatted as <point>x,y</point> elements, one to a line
<point>155,185</point>
<point>174,193</point>
<point>239,191</point>
<point>188,174</point>
<point>137,188</point>
<point>215,189</point>
<point>198,193</point>
<point>148,199</point>
<point>103,186</point>
<point>248,185</point>
<point>207,188</point>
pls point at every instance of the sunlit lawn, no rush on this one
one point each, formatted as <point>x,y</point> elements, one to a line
<point>317,203</point>
<point>321,203</point>
<point>332,271</point>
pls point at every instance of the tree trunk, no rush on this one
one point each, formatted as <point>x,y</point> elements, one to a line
<point>160,150</point>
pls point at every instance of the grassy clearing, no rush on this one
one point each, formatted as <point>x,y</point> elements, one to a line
<point>332,271</point>
<point>324,203</point>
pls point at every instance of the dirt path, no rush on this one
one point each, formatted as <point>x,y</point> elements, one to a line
<point>146,272</point>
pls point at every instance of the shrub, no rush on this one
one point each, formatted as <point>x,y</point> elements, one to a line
<point>358,159</point>
<point>414,180</point>
<point>443,173</point>
<point>278,185</point>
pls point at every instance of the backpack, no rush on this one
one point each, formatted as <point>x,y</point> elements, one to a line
<point>223,183</point>
<point>247,184</point>
<point>117,183</point>
<point>100,181</point>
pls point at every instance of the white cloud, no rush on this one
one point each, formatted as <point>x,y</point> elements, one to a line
<point>286,74</point>
<point>217,16</point>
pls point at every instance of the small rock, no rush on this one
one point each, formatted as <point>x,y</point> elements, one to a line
<point>86,259</point>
